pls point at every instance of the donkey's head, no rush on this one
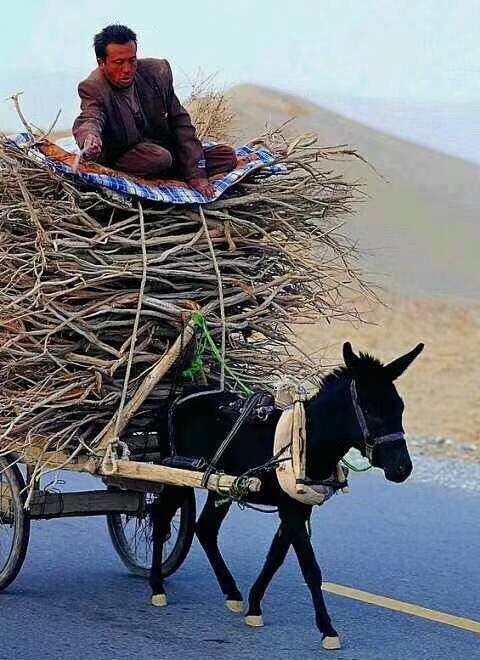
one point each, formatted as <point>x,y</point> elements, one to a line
<point>378,409</point>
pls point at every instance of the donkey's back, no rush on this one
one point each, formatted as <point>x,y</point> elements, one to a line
<point>202,420</point>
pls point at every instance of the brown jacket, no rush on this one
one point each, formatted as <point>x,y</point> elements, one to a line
<point>169,122</point>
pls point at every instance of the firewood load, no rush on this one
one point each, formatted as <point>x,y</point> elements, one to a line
<point>105,310</point>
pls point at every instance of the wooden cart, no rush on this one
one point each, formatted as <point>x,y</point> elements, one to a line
<point>126,502</point>
<point>131,485</point>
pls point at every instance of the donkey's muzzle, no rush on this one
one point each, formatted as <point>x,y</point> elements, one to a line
<point>400,473</point>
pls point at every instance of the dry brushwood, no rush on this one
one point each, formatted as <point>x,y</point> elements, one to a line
<point>211,111</point>
<point>93,296</point>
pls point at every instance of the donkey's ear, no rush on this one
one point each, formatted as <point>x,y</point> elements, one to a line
<point>349,357</point>
<point>398,366</point>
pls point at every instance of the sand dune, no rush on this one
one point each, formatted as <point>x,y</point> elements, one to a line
<point>421,223</point>
<point>420,234</point>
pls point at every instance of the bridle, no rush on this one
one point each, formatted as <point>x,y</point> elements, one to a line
<point>370,442</point>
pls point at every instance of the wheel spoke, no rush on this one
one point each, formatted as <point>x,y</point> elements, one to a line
<point>138,535</point>
<point>132,536</point>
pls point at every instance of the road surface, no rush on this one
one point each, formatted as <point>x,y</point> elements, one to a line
<point>415,543</point>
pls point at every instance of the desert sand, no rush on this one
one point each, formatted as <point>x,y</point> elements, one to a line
<point>419,231</point>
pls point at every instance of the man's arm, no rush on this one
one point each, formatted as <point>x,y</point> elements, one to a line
<point>88,126</point>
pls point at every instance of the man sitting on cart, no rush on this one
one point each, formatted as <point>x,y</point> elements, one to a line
<point>132,120</point>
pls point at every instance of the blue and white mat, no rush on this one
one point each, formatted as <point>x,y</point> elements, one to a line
<point>62,156</point>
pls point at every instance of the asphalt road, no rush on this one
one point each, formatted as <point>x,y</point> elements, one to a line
<point>415,542</point>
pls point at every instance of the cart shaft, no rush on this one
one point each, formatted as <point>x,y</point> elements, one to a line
<point>125,469</point>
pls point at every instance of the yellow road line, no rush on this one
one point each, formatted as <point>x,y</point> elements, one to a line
<point>400,606</point>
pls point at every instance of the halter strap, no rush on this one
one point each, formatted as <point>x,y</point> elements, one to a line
<point>370,442</point>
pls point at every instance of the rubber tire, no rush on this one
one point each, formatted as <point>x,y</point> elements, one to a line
<point>180,550</point>
<point>22,531</point>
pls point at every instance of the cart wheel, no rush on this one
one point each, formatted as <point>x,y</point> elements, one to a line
<point>132,536</point>
<point>14,523</point>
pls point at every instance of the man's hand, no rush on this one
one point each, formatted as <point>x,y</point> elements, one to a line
<point>203,186</point>
<point>92,147</point>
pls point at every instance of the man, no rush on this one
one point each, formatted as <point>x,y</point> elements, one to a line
<point>132,120</point>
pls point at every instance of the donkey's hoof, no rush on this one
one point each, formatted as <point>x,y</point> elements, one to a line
<point>235,606</point>
<point>159,600</point>
<point>331,643</point>
<point>253,620</point>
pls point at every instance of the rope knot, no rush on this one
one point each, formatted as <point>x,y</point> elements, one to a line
<point>288,392</point>
<point>111,457</point>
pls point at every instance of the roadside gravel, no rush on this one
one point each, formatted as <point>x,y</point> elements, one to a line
<point>443,447</point>
<point>448,472</point>
<point>443,461</point>
<point>439,461</point>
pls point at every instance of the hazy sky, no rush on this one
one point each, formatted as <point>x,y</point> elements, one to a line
<point>415,49</point>
<point>403,52</point>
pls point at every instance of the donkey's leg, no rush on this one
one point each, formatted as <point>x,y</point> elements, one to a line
<point>275,558</point>
<point>313,577</point>
<point>207,529</point>
<point>163,510</point>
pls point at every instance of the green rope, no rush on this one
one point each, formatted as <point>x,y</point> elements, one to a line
<point>207,341</point>
<point>195,369</point>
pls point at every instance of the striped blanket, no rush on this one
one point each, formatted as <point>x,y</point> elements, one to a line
<point>61,156</point>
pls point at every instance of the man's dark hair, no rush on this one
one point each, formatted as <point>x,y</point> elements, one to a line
<point>112,34</point>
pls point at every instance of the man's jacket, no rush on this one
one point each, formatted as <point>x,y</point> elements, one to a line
<point>169,123</point>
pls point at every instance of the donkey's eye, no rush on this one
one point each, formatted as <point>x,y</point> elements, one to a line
<point>377,409</point>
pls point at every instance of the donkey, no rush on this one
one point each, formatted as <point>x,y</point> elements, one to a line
<point>356,406</point>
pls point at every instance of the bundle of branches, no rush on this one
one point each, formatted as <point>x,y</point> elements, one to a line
<point>94,296</point>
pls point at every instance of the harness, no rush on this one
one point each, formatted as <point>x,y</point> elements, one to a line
<point>252,403</point>
<point>289,453</point>
<point>290,442</point>
<point>370,442</point>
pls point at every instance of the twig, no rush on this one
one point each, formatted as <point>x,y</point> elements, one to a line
<point>16,104</point>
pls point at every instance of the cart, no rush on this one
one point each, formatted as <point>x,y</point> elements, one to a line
<point>126,502</point>
<point>132,481</point>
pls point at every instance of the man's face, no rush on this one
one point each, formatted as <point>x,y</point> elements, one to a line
<point>120,64</point>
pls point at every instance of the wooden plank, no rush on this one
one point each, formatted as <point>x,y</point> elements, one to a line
<point>177,477</point>
<point>159,474</point>
<point>133,484</point>
<point>85,503</point>
<point>52,460</point>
